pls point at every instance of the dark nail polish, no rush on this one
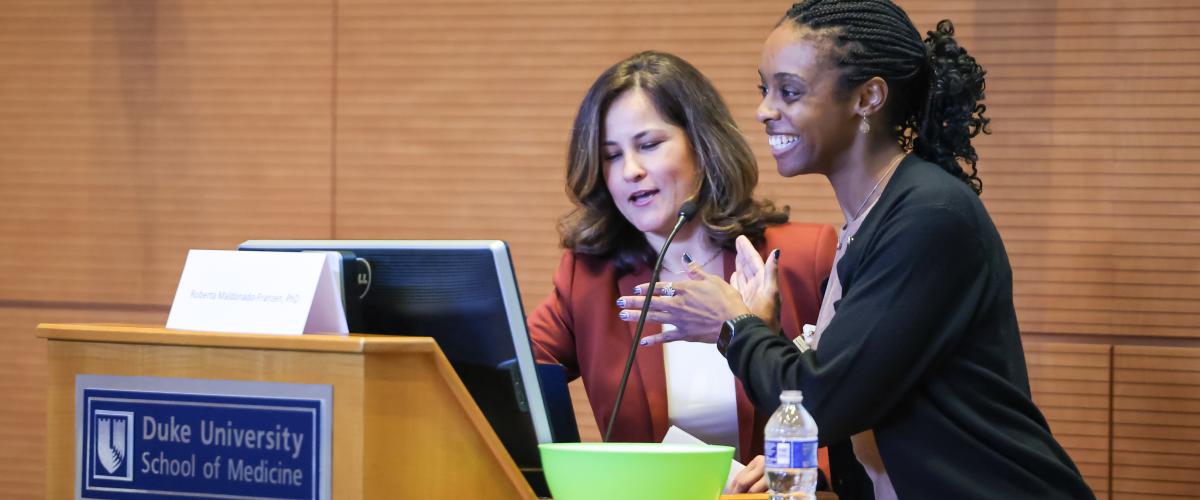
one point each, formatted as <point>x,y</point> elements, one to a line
<point>621,302</point>
<point>637,290</point>
<point>776,254</point>
<point>623,315</point>
<point>687,259</point>
<point>643,342</point>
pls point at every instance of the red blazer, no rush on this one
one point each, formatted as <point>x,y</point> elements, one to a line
<point>577,327</point>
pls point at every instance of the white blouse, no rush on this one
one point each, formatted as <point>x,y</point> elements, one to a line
<point>701,395</point>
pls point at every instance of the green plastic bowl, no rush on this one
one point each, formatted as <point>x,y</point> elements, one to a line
<point>635,471</point>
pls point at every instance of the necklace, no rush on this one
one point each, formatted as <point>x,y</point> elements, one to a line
<point>702,264</point>
<point>861,206</point>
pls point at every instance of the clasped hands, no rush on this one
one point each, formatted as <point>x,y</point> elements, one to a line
<point>697,306</point>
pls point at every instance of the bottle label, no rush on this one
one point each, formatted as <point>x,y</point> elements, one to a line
<point>791,453</point>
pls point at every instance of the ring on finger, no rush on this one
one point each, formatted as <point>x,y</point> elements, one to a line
<point>668,290</point>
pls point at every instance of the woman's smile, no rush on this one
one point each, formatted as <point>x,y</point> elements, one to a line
<point>782,143</point>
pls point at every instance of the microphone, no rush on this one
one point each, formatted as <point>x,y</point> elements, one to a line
<point>686,211</point>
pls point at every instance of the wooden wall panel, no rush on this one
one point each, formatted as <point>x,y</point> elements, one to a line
<point>1071,385</point>
<point>453,119</point>
<point>589,429</point>
<point>23,390</point>
<point>1090,174</point>
<point>131,131</point>
<point>1156,422</point>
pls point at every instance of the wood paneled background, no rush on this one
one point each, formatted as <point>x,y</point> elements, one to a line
<point>133,130</point>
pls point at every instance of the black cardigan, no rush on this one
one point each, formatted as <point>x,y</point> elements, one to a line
<point>925,350</point>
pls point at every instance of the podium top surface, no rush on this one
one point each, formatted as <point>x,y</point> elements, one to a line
<point>147,334</point>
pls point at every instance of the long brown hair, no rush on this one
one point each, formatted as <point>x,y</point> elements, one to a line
<point>686,99</point>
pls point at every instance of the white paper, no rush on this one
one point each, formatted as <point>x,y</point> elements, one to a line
<point>676,435</point>
<point>285,293</point>
<point>327,315</point>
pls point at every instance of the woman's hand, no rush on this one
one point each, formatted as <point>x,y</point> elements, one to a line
<point>757,282</point>
<point>752,479</point>
<point>696,307</point>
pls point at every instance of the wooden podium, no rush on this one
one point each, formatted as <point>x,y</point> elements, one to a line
<point>404,426</point>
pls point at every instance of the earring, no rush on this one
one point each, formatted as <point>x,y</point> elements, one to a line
<point>864,126</point>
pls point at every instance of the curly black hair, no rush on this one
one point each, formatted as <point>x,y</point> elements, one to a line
<point>937,84</point>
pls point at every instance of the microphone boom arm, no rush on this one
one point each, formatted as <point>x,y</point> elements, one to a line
<point>686,211</point>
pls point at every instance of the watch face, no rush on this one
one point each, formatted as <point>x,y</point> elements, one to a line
<point>725,335</point>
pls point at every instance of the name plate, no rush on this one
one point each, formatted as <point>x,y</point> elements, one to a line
<point>259,292</point>
<point>142,437</point>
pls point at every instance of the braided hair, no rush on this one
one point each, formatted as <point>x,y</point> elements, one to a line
<point>938,86</point>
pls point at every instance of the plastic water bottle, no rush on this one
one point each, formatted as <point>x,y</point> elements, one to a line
<point>791,450</point>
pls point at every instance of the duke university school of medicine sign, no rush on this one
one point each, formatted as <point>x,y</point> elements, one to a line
<point>148,436</point>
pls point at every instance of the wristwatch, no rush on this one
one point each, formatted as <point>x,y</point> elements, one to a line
<point>729,329</point>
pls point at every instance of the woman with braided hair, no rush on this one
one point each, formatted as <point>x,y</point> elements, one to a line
<point>916,357</point>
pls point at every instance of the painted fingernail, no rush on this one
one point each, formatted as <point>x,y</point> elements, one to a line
<point>687,259</point>
<point>637,290</point>
<point>623,315</point>
<point>621,302</point>
<point>644,342</point>
<point>776,254</point>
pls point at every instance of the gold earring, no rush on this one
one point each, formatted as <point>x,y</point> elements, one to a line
<point>864,126</point>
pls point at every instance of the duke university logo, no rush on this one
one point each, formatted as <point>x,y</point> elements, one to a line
<point>112,438</point>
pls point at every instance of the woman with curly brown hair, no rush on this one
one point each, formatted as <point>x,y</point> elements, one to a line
<point>651,133</point>
<point>916,358</point>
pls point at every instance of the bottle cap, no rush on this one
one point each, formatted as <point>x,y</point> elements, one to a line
<point>791,396</point>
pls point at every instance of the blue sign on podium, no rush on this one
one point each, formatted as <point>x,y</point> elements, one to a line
<point>151,437</point>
